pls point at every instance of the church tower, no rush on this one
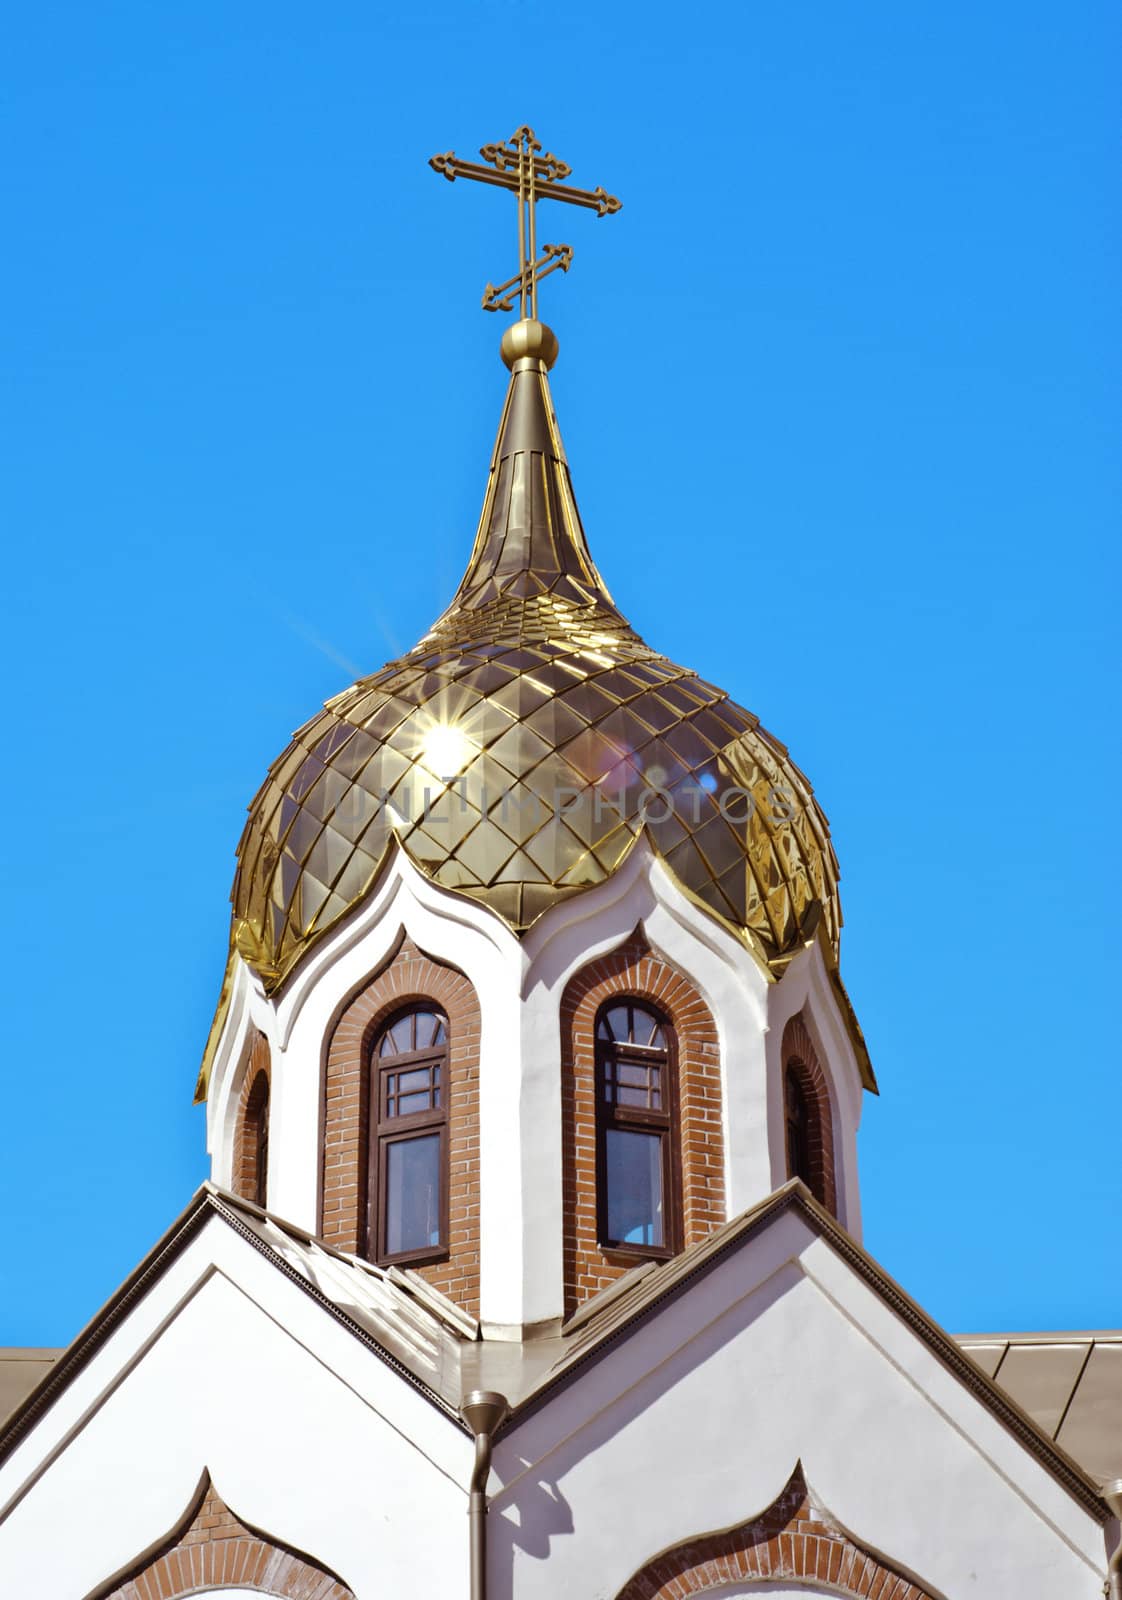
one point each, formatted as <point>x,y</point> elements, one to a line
<point>534,964</point>
<point>531,1261</point>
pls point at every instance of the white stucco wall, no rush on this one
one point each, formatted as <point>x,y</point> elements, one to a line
<point>520,984</point>
<point>696,1422</point>
<point>229,1367</point>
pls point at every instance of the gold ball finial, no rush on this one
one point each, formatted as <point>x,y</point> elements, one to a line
<point>529,338</point>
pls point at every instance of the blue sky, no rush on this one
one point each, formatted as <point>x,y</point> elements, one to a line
<point>839,387</point>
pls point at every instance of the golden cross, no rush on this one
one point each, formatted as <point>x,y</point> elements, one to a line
<point>519,165</point>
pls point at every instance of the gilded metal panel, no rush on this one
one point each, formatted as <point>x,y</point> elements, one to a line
<point>520,749</point>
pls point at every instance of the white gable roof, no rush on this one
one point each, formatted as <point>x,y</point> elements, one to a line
<point>322,1396</point>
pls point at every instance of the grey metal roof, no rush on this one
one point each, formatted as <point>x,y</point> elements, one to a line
<point>439,1350</point>
<point>20,1371</point>
<point>1069,1383</point>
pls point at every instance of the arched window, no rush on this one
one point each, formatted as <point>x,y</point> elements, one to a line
<point>636,1130</point>
<point>407,1201</point>
<point>807,1120</point>
<point>798,1128</point>
<point>255,1169</point>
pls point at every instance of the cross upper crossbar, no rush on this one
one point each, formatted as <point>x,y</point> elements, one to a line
<point>453,167</point>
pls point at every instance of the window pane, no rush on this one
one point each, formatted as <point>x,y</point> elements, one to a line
<point>413,1080</point>
<point>643,1026</point>
<point>399,1039</point>
<point>430,1029</point>
<point>261,1187</point>
<point>412,1193</point>
<point>416,1089</point>
<point>635,1084</point>
<point>798,1131</point>
<point>634,1178</point>
<point>618,1023</point>
<point>417,1030</point>
<point>632,1073</point>
<point>631,1097</point>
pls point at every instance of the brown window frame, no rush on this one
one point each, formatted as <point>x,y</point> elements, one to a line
<point>666,1122</point>
<point>386,1130</point>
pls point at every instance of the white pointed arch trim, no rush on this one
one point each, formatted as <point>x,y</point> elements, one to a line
<point>775,1591</point>
<point>249,1013</point>
<point>448,929</point>
<point>693,942</point>
<point>445,925</point>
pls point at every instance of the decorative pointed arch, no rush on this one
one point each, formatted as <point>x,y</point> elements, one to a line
<point>407,979</point>
<point>795,1539</point>
<point>211,1548</point>
<point>633,973</point>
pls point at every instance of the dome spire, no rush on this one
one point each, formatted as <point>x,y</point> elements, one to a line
<point>530,542</point>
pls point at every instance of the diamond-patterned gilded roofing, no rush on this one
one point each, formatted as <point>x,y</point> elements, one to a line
<point>520,749</point>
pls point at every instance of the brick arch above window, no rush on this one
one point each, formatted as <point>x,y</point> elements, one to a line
<point>409,977</point>
<point>252,1122</point>
<point>800,1058</point>
<point>793,1540</point>
<point>212,1550</point>
<point>634,970</point>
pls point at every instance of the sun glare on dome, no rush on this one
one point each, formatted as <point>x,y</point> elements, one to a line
<point>446,750</point>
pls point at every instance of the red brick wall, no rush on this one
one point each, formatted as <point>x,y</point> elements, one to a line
<point>634,970</point>
<point>257,1083</point>
<point>409,976</point>
<point>798,1051</point>
<point>793,1541</point>
<point>216,1549</point>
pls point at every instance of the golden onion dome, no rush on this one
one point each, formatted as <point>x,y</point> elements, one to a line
<point>524,745</point>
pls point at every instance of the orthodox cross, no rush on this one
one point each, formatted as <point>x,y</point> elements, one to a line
<point>520,166</point>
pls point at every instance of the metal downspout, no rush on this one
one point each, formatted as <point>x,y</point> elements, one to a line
<point>1112,1494</point>
<point>483,1411</point>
